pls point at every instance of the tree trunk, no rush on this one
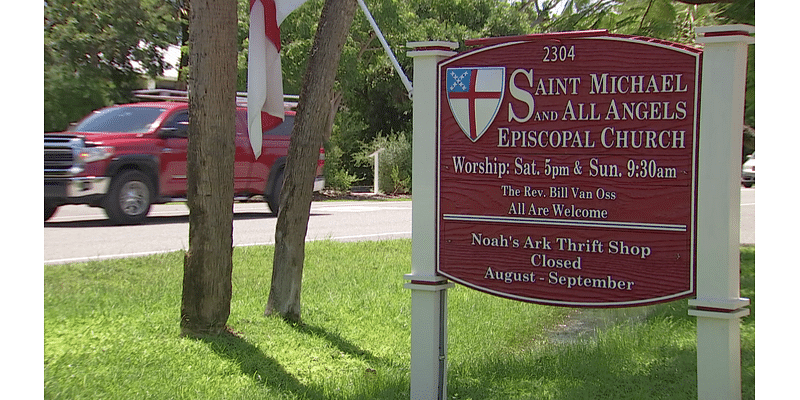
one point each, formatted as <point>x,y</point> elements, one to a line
<point>307,138</point>
<point>208,264</point>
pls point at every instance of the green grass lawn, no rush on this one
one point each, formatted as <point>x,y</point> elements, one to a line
<point>111,330</point>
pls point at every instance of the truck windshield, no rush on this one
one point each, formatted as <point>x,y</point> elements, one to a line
<point>120,119</point>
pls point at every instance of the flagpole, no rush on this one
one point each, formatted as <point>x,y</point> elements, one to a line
<point>388,50</point>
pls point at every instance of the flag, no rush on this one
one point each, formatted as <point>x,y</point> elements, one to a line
<point>264,78</point>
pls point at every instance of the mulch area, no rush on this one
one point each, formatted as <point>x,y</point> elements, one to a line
<point>334,195</point>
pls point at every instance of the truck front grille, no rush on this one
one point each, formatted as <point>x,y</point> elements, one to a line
<point>60,153</point>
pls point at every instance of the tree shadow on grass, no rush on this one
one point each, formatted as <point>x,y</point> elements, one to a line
<point>267,371</point>
<point>264,370</point>
<point>386,388</point>
<point>339,343</point>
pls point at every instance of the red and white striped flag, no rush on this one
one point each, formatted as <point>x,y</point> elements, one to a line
<point>264,78</point>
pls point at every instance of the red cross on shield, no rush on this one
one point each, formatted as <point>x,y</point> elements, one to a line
<point>474,95</point>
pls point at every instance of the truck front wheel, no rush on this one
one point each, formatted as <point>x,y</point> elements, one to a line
<point>128,200</point>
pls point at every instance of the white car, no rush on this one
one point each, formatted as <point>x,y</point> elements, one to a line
<point>749,171</point>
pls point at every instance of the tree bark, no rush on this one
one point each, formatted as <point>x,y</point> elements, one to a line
<point>208,264</point>
<point>307,138</point>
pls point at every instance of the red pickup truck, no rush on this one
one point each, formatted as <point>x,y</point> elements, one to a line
<point>126,157</point>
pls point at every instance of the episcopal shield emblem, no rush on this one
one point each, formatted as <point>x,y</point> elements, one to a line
<point>474,95</point>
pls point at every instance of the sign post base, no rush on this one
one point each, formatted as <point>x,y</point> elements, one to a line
<point>428,339</point>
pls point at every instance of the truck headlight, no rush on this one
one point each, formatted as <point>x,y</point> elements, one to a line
<point>91,154</point>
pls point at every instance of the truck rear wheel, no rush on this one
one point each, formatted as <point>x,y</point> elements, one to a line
<point>128,200</point>
<point>274,198</point>
<point>49,210</point>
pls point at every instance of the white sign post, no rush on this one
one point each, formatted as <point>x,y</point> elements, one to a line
<point>718,307</point>
<point>375,170</point>
<point>428,290</point>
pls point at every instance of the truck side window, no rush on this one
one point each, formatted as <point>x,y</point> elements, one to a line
<point>284,129</point>
<point>177,125</point>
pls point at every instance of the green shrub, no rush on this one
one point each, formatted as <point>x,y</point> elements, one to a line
<point>395,162</point>
<point>336,175</point>
<point>339,180</point>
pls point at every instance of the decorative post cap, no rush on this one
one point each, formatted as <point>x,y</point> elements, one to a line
<point>726,33</point>
<point>431,48</point>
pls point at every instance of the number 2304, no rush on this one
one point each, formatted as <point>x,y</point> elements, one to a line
<point>558,53</point>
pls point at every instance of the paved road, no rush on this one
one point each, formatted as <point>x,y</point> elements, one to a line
<point>81,233</point>
<point>747,222</point>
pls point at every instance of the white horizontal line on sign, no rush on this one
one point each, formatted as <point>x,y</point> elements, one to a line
<point>565,222</point>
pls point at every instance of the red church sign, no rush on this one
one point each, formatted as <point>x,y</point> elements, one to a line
<point>567,169</point>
